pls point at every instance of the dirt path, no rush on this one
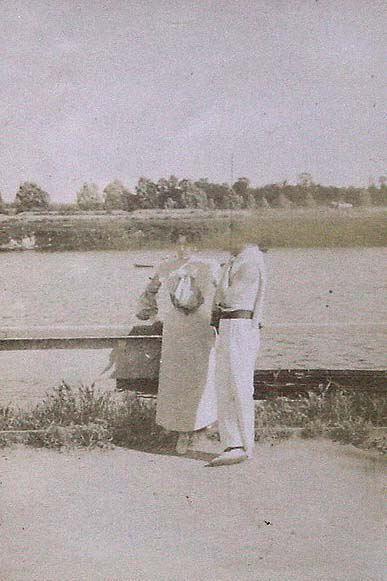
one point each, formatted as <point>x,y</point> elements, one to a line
<point>298,511</point>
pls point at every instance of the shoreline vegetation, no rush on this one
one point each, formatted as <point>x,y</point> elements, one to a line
<point>88,418</point>
<point>205,229</point>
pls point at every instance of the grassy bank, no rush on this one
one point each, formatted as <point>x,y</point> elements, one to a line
<point>84,417</point>
<point>297,228</point>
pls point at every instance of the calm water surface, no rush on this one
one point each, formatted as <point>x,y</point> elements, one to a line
<point>325,308</point>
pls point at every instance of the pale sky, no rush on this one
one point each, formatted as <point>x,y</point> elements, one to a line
<point>93,90</point>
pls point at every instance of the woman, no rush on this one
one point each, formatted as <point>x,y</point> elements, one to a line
<point>186,396</point>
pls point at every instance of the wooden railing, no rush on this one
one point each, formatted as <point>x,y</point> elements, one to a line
<point>136,353</point>
<point>75,337</point>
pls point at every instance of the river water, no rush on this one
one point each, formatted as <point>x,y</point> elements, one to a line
<point>325,308</point>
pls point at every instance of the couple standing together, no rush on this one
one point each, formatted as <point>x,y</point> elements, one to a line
<point>209,352</point>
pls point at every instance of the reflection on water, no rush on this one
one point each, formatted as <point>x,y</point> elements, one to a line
<point>324,308</point>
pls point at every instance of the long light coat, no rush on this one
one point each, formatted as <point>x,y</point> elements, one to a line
<point>187,395</point>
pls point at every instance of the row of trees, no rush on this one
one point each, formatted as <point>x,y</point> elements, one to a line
<point>174,193</point>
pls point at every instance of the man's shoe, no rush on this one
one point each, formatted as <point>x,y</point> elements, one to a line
<point>228,457</point>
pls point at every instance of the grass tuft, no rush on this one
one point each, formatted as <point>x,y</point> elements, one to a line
<point>86,417</point>
<point>345,416</point>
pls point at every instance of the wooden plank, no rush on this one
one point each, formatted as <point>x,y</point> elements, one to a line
<point>269,383</point>
<point>23,344</point>
<point>36,331</point>
<point>294,382</point>
<point>79,337</point>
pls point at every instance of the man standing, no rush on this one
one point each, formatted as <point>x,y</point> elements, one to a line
<point>238,309</point>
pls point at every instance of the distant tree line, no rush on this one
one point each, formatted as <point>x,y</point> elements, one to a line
<point>173,193</point>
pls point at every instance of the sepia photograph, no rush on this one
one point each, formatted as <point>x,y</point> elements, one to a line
<point>193,232</point>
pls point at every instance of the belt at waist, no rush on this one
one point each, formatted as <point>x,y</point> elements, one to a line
<point>238,314</point>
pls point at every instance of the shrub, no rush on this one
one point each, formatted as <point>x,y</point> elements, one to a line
<point>89,198</point>
<point>31,197</point>
<point>282,201</point>
<point>118,197</point>
<point>308,201</point>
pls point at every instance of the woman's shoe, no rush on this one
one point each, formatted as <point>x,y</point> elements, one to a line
<point>183,442</point>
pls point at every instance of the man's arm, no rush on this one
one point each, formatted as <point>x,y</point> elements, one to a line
<point>258,308</point>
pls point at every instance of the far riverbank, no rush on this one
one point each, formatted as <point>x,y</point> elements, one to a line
<point>155,229</point>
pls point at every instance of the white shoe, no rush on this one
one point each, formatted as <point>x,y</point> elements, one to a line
<point>183,442</point>
<point>228,457</point>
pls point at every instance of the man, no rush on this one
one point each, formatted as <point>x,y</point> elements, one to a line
<point>238,310</point>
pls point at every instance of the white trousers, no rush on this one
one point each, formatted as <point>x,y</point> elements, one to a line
<point>237,347</point>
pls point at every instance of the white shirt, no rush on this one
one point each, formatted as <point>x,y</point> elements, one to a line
<point>243,283</point>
